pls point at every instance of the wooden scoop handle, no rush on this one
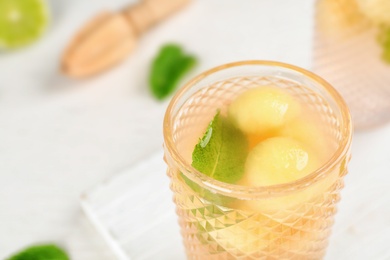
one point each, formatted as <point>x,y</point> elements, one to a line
<point>163,8</point>
<point>111,37</point>
<point>149,12</point>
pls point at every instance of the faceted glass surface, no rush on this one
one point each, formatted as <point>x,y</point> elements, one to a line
<point>291,225</point>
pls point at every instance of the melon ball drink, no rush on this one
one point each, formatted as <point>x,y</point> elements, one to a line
<point>256,153</point>
<point>351,50</point>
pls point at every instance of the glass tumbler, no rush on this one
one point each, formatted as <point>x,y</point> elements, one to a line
<point>352,52</point>
<point>228,221</point>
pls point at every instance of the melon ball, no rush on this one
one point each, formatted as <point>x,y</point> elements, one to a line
<point>278,160</point>
<point>377,11</point>
<point>335,16</point>
<point>263,109</point>
<point>309,133</point>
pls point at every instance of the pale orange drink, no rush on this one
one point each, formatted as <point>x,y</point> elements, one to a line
<point>256,153</point>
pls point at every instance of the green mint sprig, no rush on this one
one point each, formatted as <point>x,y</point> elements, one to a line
<point>41,252</point>
<point>384,41</point>
<point>219,154</point>
<point>170,65</point>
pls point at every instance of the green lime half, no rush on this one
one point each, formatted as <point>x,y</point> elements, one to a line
<point>21,22</point>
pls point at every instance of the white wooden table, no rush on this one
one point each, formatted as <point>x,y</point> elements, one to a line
<point>59,137</point>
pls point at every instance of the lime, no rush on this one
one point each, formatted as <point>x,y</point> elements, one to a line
<point>21,21</point>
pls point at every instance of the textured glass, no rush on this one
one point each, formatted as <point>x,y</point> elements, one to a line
<point>286,221</point>
<point>212,231</point>
<point>347,53</point>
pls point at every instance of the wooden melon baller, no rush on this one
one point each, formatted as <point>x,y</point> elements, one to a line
<point>111,36</point>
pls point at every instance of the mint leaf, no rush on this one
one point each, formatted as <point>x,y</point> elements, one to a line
<point>168,68</point>
<point>384,41</point>
<point>221,152</point>
<point>41,252</point>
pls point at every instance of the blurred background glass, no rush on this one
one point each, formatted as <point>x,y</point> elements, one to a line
<point>351,51</point>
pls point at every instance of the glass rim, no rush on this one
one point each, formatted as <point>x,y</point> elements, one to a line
<point>240,191</point>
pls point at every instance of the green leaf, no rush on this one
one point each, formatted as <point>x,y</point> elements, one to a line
<point>41,252</point>
<point>168,68</point>
<point>384,41</point>
<point>220,154</point>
